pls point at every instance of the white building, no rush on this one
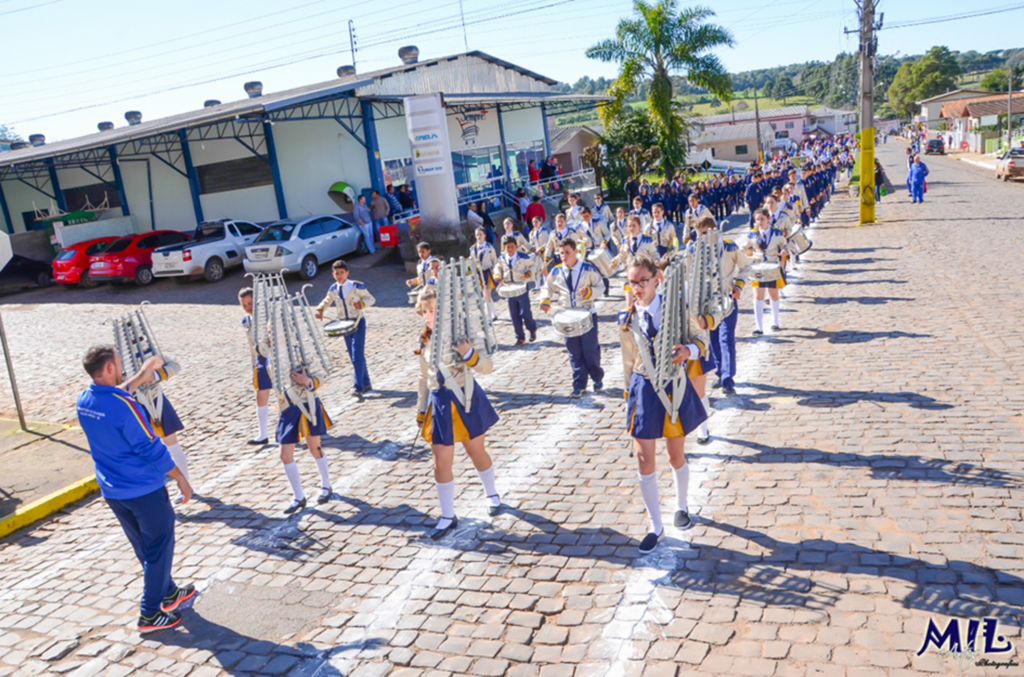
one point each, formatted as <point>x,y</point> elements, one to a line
<point>272,155</point>
<point>932,107</point>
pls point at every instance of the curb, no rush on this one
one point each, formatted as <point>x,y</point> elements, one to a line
<point>46,506</point>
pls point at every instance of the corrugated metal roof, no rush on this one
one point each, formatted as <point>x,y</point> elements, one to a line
<point>765,114</point>
<point>954,93</point>
<point>365,85</point>
<point>825,111</point>
<point>972,107</point>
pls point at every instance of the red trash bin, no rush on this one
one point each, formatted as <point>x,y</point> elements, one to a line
<point>389,235</point>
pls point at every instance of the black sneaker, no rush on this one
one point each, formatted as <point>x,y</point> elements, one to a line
<point>576,394</point>
<point>437,534</point>
<point>717,383</point>
<point>598,387</point>
<point>325,495</point>
<point>295,506</point>
<point>158,621</point>
<point>366,390</point>
<point>520,343</point>
<point>776,327</point>
<point>258,443</point>
<point>649,543</point>
<point>492,509</point>
<point>728,391</point>
<point>757,332</point>
<point>682,520</point>
<point>703,440</point>
<point>533,336</point>
<point>177,598</point>
<point>357,394</point>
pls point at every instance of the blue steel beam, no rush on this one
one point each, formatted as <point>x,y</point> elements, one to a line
<point>58,194</point>
<point>372,148</point>
<point>190,172</point>
<point>122,196</point>
<point>275,169</point>
<point>8,223</point>
<point>544,123</point>
<point>504,150</point>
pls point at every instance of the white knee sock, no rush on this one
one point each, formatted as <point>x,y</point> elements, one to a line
<point>702,430</point>
<point>178,456</point>
<point>682,474</point>
<point>325,477</point>
<point>649,490</point>
<point>292,471</point>
<point>487,479</point>
<point>262,415</point>
<point>446,496</point>
<point>775,313</point>
<point>759,314</point>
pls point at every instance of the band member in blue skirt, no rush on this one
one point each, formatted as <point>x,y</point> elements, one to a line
<point>646,417</point>
<point>444,421</point>
<point>261,382</point>
<point>306,422</point>
<point>769,247</point>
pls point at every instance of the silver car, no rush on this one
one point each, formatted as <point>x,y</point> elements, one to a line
<point>301,245</point>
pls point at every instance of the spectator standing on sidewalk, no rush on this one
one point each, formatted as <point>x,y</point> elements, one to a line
<point>392,199</point>
<point>365,222</point>
<point>879,180</point>
<point>380,209</point>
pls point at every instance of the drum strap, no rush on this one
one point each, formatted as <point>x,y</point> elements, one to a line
<point>341,295</point>
<point>572,287</point>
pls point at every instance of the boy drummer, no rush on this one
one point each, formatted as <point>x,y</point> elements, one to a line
<point>515,267</point>
<point>350,298</point>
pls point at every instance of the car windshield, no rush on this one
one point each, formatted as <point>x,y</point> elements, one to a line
<point>214,231</point>
<point>66,255</point>
<point>118,245</point>
<point>277,233</point>
<point>1016,152</point>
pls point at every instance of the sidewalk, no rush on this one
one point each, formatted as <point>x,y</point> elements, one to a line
<point>978,159</point>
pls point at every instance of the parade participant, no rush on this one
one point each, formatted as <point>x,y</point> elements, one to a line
<point>618,227</point>
<point>260,375</point>
<point>600,212</point>
<point>574,213</point>
<point>693,212</point>
<point>662,231</point>
<point>572,283</point>
<point>508,226</point>
<point>422,266</point>
<point>646,417</point>
<point>754,195</point>
<point>771,245</point>
<point>562,232</point>
<point>514,267</point>
<point>486,257</point>
<point>634,244</point>
<point>598,235</point>
<point>916,178</point>
<point>641,211</point>
<point>132,465</point>
<point>294,425</point>
<point>350,298</point>
<point>445,422</point>
<point>538,242</point>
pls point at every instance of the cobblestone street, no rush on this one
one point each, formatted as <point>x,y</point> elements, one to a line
<point>865,479</point>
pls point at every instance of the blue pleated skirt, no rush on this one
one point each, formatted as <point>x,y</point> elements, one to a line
<point>647,419</point>
<point>447,421</point>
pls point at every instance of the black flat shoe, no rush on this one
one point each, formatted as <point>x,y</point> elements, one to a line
<point>324,497</point>
<point>258,443</point>
<point>729,392</point>
<point>533,336</point>
<point>717,383</point>
<point>295,507</point>
<point>649,543</point>
<point>703,440</point>
<point>757,332</point>
<point>494,510</point>
<point>776,327</point>
<point>682,520</point>
<point>437,534</point>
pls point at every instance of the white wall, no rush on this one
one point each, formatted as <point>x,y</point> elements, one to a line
<point>487,126</point>
<point>253,204</point>
<point>523,125</point>
<point>217,150</point>
<point>393,138</point>
<point>19,199</point>
<point>312,155</point>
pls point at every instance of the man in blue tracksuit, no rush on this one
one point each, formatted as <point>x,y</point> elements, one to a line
<point>918,173</point>
<point>132,464</point>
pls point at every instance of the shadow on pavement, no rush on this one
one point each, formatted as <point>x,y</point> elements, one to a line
<point>854,336</point>
<point>842,398</point>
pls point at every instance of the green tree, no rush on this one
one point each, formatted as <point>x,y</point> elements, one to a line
<point>8,134</point>
<point>664,39</point>
<point>630,128</point>
<point>934,73</point>
<point>783,88</point>
<point>996,80</point>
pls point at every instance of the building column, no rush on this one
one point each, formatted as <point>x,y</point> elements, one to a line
<point>275,170</point>
<point>372,147</point>
<point>506,174</point>
<point>58,194</point>
<point>544,122</point>
<point>193,177</point>
<point>121,195</point>
<point>8,223</point>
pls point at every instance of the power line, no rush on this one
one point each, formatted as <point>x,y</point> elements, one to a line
<point>952,17</point>
<point>25,9</point>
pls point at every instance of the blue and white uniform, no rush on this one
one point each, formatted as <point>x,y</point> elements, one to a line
<point>444,420</point>
<point>260,374</point>
<point>292,425</point>
<point>343,298</point>
<point>574,288</point>
<point>518,268</point>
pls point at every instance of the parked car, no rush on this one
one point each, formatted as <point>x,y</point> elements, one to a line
<point>935,146</point>
<point>72,263</point>
<point>22,273</point>
<point>1011,165</point>
<point>215,247</point>
<point>301,245</point>
<point>131,257</point>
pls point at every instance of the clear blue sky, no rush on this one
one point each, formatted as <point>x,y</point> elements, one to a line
<point>105,56</point>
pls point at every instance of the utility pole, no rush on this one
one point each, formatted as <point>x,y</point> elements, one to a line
<point>1010,66</point>
<point>757,126</point>
<point>10,373</point>
<point>352,40</point>
<point>868,47</point>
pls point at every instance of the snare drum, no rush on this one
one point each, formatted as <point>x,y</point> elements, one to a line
<point>602,260</point>
<point>511,290</point>
<point>572,322</point>
<point>798,243</point>
<point>765,272</point>
<point>341,327</point>
<point>414,296</point>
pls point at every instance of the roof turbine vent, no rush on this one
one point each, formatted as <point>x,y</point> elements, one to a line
<point>37,139</point>
<point>105,126</point>
<point>254,89</point>
<point>346,71</point>
<point>210,103</point>
<point>133,117</point>
<point>409,54</point>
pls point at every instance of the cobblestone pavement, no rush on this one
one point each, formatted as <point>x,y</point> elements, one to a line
<point>865,480</point>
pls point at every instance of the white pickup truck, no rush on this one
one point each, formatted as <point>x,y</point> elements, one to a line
<point>214,247</point>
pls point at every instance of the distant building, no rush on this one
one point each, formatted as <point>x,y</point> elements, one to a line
<point>790,124</point>
<point>833,122</point>
<point>567,144</point>
<point>931,108</point>
<point>972,121</point>
<point>734,143</point>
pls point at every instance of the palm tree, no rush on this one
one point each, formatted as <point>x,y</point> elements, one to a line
<point>664,40</point>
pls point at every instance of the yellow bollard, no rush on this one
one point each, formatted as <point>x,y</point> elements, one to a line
<point>867,176</point>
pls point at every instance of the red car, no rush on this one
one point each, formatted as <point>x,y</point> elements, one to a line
<point>131,257</point>
<point>72,264</point>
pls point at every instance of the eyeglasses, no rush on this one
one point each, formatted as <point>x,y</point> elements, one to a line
<point>640,284</point>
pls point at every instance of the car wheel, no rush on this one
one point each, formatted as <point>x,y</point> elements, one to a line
<point>214,271</point>
<point>86,281</point>
<point>308,269</point>
<point>143,276</point>
<point>363,249</point>
<point>43,280</point>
